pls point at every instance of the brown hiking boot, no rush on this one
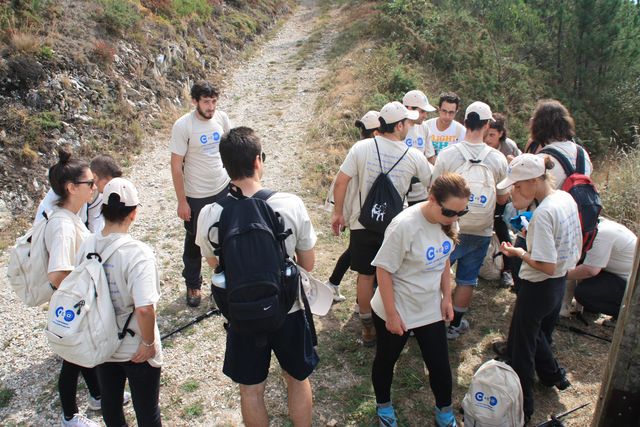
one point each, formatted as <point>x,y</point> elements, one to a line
<point>194,296</point>
<point>368,332</point>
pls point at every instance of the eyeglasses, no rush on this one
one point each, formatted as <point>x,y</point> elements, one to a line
<point>450,213</point>
<point>447,112</point>
<point>263,156</point>
<point>89,182</point>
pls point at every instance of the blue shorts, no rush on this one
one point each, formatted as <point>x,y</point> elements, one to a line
<point>469,254</point>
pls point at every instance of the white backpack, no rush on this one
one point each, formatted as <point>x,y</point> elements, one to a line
<point>482,202</point>
<point>494,398</point>
<point>493,263</point>
<point>28,264</point>
<point>81,322</point>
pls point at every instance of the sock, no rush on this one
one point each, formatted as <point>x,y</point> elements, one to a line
<point>364,316</point>
<point>384,405</point>
<point>458,313</point>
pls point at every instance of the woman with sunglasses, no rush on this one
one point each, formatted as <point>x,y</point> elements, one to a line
<point>414,293</point>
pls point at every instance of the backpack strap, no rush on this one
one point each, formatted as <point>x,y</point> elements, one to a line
<point>562,159</point>
<point>467,154</point>
<point>380,161</point>
<point>580,160</point>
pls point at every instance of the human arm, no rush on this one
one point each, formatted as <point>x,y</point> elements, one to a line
<point>56,277</point>
<point>146,317</point>
<point>184,211</point>
<point>394,322</point>
<point>339,191</point>
<point>582,272</point>
<point>306,259</point>
<point>446,306</point>
<point>508,249</point>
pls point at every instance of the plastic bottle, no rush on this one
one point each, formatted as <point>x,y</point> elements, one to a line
<point>218,280</point>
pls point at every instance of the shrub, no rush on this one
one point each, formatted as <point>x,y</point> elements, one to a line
<point>620,195</point>
<point>118,16</point>
<point>200,8</point>
<point>46,52</point>
<point>24,43</point>
<point>104,52</point>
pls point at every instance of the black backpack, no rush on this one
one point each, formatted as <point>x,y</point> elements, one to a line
<point>583,191</point>
<point>383,202</point>
<point>262,282</point>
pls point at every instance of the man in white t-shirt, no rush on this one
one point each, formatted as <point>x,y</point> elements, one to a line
<point>363,163</point>
<point>603,275</point>
<point>444,130</point>
<point>199,177</point>
<point>476,227</point>
<point>244,361</point>
<point>418,137</point>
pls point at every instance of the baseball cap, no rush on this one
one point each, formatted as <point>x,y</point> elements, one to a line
<point>481,109</point>
<point>394,111</point>
<point>370,120</point>
<point>319,295</point>
<point>416,98</point>
<point>525,166</point>
<point>123,189</point>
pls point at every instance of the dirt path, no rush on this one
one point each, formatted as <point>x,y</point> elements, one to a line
<point>274,92</point>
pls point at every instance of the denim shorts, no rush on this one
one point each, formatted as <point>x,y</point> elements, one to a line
<point>469,254</point>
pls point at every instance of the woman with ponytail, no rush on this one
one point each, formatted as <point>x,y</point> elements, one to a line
<point>414,293</point>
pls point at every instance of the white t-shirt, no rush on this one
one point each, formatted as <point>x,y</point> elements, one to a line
<point>199,142</point>
<point>362,161</point>
<point>418,138</point>
<point>613,249</point>
<point>441,139</point>
<point>63,236</point>
<point>570,151</point>
<point>508,147</point>
<point>554,236</point>
<point>95,219</point>
<point>133,282</point>
<point>450,159</point>
<point>49,202</point>
<point>291,209</point>
<point>415,252</point>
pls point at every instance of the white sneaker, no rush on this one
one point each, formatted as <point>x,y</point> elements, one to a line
<point>96,404</point>
<point>337,296</point>
<point>565,310</point>
<point>78,420</point>
<point>454,332</point>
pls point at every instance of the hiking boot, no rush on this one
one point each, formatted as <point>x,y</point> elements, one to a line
<point>500,348</point>
<point>387,417</point>
<point>454,332</point>
<point>368,332</point>
<point>562,384</point>
<point>337,296</point>
<point>96,404</point>
<point>506,280</point>
<point>444,417</point>
<point>78,420</point>
<point>194,296</point>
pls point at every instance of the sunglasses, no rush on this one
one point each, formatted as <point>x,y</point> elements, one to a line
<point>450,213</point>
<point>263,156</point>
<point>89,182</point>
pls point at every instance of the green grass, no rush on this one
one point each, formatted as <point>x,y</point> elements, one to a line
<point>190,385</point>
<point>193,411</point>
<point>6,394</point>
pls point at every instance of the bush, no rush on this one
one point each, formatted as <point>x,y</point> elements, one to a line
<point>620,195</point>
<point>118,16</point>
<point>202,9</point>
<point>24,43</point>
<point>103,52</point>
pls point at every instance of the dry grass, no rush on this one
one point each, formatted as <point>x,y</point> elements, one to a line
<point>24,43</point>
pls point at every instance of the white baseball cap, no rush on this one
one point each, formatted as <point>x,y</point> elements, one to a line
<point>481,109</point>
<point>416,98</point>
<point>319,295</point>
<point>370,120</point>
<point>394,111</point>
<point>525,166</point>
<point>123,189</point>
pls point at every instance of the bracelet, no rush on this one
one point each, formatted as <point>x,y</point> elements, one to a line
<point>149,345</point>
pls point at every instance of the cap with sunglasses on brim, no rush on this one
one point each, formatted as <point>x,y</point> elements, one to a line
<point>122,191</point>
<point>417,98</point>
<point>370,120</point>
<point>481,109</point>
<point>525,166</point>
<point>394,112</point>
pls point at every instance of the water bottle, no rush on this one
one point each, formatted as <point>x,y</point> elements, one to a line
<point>218,280</point>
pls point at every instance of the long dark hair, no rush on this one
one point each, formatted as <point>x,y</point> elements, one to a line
<point>551,122</point>
<point>67,170</point>
<point>446,186</point>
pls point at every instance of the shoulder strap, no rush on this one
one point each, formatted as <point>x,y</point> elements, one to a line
<point>264,194</point>
<point>378,151</point>
<point>561,158</point>
<point>109,250</point>
<point>380,161</point>
<point>580,160</point>
<point>396,163</point>
<point>484,153</point>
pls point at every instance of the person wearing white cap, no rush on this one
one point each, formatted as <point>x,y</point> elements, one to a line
<point>482,166</point>
<point>553,243</point>
<point>245,362</point>
<point>135,288</point>
<point>444,130</point>
<point>365,161</point>
<point>418,137</point>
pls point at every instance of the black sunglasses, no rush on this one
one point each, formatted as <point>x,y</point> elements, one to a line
<point>450,213</point>
<point>263,156</point>
<point>89,182</point>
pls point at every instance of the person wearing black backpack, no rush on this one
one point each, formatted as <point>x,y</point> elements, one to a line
<point>284,217</point>
<point>383,167</point>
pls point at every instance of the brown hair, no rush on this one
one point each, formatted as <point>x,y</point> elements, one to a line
<point>548,176</point>
<point>499,125</point>
<point>446,186</point>
<point>551,122</point>
<point>68,169</point>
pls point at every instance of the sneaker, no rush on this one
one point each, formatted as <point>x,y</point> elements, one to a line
<point>337,296</point>
<point>562,384</point>
<point>194,296</point>
<point>444,417</point>
<point>565,310</point>
<point>96,404</point>
<point>506,279</point>
<point>387,417</point>
<point>454,332</point>
<point>78,420</point>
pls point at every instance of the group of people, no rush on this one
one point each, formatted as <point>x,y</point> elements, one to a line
<point>455,179</point>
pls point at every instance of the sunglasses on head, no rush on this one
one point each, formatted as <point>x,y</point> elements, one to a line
<point>450,213</point>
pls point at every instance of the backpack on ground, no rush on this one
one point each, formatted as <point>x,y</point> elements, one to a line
<point>383,202</point>
<point>262,282</point>
<point>479,177</point>
<point>81,322</point>
<point>493,262</point>
<point>583,191</point>
<point>494,398</point>
<point>28,265</point>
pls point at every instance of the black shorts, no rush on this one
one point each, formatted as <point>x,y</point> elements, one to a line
<point>246,363</point>
<point>364,245</point>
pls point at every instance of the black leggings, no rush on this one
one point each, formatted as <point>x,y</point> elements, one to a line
<point>502,231</point>
<point>342,265</point>
<point>432,340</point>
<point>68,386</point>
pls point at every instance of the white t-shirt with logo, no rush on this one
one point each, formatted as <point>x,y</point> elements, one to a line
<point>613,249</point>
<point>362,161</point>
<point>133,282</point>
<point>418,138</point>
<point>415,252</point>
<point>451,159</point>
<point>554,236</point>
<point>199,142</point>
<point>570,151</point>
<point>441,139</point>
<point>63,236</point>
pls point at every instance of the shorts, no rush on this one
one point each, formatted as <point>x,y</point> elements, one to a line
<point>363,246</point>
<point>469,254</point>
<point>246,363</point>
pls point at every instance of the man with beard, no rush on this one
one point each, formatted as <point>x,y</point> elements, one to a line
<point>199,178</point>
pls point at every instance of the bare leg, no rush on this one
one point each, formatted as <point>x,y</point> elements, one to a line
<point>254,412</point>
<point>462,296</point>
<point>365,292</point>
<point>300,401</point>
